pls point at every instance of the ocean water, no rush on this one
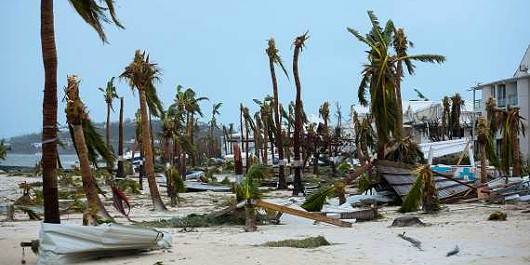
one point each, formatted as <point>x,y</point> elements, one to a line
<point>30,160</point>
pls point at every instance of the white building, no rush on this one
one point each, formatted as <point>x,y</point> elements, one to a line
<point>511,91</point>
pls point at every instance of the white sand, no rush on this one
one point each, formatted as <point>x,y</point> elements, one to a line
<point>465,225</point>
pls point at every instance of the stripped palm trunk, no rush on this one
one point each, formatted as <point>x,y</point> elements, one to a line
<point>265,136</point>
<point>49,114</point>
<point>298,44</point>
<point>120,172</point>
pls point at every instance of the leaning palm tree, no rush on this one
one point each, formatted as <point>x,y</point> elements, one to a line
<point>77,116</point>
<point>93,14</point>
<point>298,43</point>
<point>109,93</point>
<point>401,45</point>
<point>141,74</point>
<point>274,59</point>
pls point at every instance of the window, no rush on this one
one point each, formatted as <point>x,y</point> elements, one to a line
<point>501,95</point>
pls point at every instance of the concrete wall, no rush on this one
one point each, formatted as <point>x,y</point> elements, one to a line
<point>523,87</point>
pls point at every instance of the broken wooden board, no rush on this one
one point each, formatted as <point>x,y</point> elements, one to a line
<point>303,214</point>
<point>361,215</point>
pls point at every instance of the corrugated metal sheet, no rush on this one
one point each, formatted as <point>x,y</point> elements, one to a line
<point>400,177</point>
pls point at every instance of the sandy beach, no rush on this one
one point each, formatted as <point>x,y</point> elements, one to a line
<point>374,242</point>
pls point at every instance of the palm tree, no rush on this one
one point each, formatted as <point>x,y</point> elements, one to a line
<point>323,112</point>
<point>190,104</point>
<point>247,191</point>
<point>109,93</point>
<point>141,74</point>
<point>455,129</point>
<point>401,45</point>
<point>485,143</point>
<point>380,76</point>
<point>446,113</point>
<point>77,116</point>
<point>299,43</point>
<point>511,126</point>
<point>249,125</point>
<point>93,14</point>
<point>364,137</point>
<point>274,58</point>
<point>213,125</point>
<point>3,150</point>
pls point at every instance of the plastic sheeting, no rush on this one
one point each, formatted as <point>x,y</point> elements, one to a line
<point>67,243</point>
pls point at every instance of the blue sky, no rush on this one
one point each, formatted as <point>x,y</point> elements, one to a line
<point>217,48</point>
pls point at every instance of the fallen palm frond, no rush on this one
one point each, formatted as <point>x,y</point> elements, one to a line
<point>453,252</point>
<point>119,199</point>
<point>315,201</point>
<point>310,242</point>
<point>423,189</point>
<point>497,216</point>
<point>416,243</point>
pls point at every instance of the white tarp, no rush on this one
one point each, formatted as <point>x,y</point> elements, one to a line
<point>68,243</point>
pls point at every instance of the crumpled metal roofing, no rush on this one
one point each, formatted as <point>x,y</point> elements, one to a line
<point>401,180</point>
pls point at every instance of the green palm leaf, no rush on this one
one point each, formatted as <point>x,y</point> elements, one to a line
<point>315,201</point>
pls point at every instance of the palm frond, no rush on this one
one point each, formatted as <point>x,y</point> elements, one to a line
<point>94,14</point>
<point>315,201</point>
<point>412,200</point>
<point>428,58</point>
<point>119,198</point>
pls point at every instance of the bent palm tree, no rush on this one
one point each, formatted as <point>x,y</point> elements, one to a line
<point>93,14</point>
<point>77,116</point>
<point>141,74</point>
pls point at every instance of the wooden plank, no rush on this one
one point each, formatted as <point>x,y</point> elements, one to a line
<point>303,214</point>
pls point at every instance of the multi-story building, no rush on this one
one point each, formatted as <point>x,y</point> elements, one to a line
<point>512,92</point>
